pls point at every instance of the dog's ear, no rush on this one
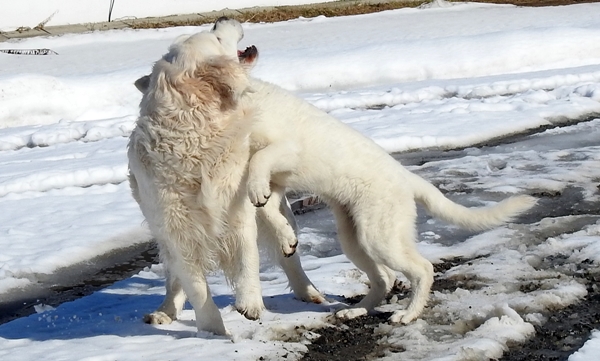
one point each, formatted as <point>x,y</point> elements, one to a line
<point>142,84</point>
<point>222,78</point>
<point>218,82</point>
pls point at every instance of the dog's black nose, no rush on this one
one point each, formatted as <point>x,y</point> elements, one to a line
<point>222,18</point>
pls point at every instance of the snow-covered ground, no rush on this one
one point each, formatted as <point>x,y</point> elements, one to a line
<point>442,76</point>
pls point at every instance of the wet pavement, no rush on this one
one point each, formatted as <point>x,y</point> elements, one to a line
<point>77,281</point>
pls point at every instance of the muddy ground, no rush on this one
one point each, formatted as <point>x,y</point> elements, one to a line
<point>564,332</point>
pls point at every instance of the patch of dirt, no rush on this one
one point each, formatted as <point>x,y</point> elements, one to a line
<point>356,339</point>
<point>349,340</point>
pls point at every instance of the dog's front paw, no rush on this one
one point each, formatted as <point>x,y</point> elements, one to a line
<point>157,318</point>
<point>259,192</point>
<point>350,313</point>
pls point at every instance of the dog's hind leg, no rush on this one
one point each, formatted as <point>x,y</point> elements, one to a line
<point>390,241</point>
<point>419,272</point>
<point>171,306</point>
<point>193,282</point>
<point>380,277</point>
<point>174,300</point>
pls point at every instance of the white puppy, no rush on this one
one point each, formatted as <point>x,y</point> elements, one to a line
<point>372,196</point>
<point>187,160</point>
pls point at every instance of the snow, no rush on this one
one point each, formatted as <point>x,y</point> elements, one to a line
<point>447,76</point>
<point>590,349</point>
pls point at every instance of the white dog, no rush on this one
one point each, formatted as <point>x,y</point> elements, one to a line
<point>188,160</point>
<point>372,196</point>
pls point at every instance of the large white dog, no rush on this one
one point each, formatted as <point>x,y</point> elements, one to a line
<point>188,159</point>
<point>372,196</point>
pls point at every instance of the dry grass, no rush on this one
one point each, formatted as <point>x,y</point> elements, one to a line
<point>339,8</point>
<point>282,13</point>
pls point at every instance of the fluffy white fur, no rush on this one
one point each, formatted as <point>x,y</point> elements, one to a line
<point>187,157</point>
<point>187,161</point>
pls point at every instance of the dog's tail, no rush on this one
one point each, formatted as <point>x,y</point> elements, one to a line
<point>470,218</point>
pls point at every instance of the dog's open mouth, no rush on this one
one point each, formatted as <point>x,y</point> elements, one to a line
<point>249,55</point>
